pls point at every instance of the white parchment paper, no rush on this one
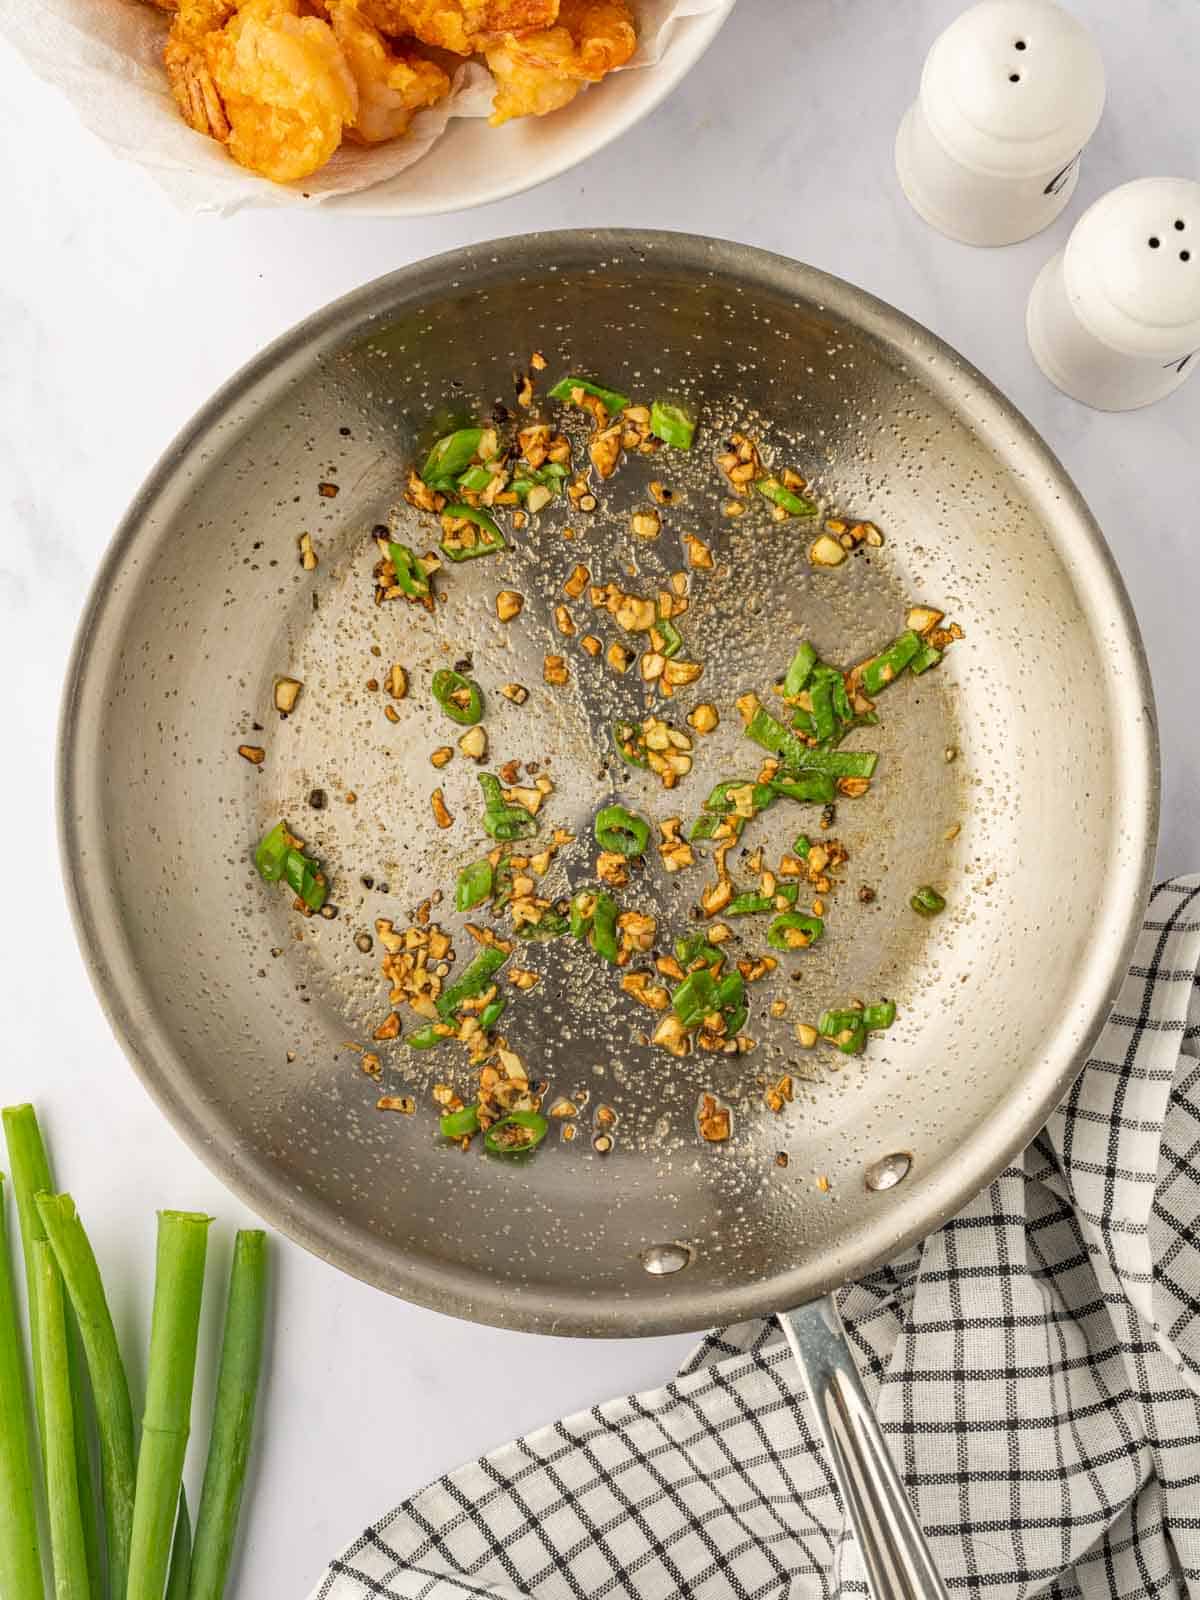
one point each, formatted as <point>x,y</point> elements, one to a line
<point>106,58</point>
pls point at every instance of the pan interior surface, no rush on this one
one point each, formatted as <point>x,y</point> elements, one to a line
<point>237,1011</point>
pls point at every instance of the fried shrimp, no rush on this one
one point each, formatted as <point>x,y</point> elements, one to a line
<point>187,66</point>
<point>461,26</point>
<point>392,85</point>
<point>287,90</point>
<point>536,73</point>
<point>270,84</point>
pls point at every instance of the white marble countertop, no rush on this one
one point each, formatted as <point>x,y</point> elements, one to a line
<point>118,316</point>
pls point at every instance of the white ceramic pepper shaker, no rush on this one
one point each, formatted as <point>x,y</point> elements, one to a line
<point>1114,319</point>
<point>1010,94</point>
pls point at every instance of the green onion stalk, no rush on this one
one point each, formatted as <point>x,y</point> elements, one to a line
<point>31,1176</point>
<point>233,1417</point>
<point>68,1548</point>
<point>110,1387</point>
<point>166,1419</point>
<point>20,1563</point>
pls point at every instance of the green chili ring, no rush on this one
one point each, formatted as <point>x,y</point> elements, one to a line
<point>631,743</point>
<point>460,697</point>
<point>518,1132</point>
<point>621,831</point>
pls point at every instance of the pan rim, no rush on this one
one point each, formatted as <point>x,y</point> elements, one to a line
<point>467,1293</point>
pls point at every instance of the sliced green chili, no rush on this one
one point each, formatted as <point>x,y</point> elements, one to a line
<point>796,505</point>
<point>720,797</point>
<point>430,1036</point>
<point>583,912</point>
<point>621,831</point>
<point>878,1017</point>
<point>548,477</point>
<point>700,995</point>
<point>450,456</point>
<point>672,424</point>
<point>271,853</point>
<point>476,978</point>
<point>768,732</point>
<point>475,479</point>
<point>603,933</point>
<point>795,679</point>
<point>492,1012</point>
<point>492,540</point>
<point>696,947</point>
<point>927,656</point>
<point>502,886</point>
<point>503,821</point>
<point>630,741</point>
<point>823,717</point>
<point>927,902</point>
<point>706,825</point>
<point>695,998</point>
<point>460,1124</point>
<point>474,885</point>
<point>550,925</point>
<point>842,709</point>
<point>611,399</point>
<point>459,697</point>
<point>514,822</point>
<point>801,845</point>
<point>890,663</point>
<point>298,871</point>
<point>518,1132</point>
<point>809,788</point>
<point>751,902</point>
<point>409,576</point>
<point>846,1029</point>
<point>794,931</point>
<point>731,1003</point>
<point>672,639</point>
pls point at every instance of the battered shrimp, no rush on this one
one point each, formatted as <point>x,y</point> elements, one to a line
<point>462,26</point>
<point>392,86</point>
<point>187,66</point>
<point>538,73</point>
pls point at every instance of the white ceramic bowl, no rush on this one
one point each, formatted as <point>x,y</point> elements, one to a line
<point>473,164</point>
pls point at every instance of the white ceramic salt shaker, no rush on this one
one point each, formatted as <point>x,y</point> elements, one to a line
<point>1114,319</point>
<point>1010,94</point>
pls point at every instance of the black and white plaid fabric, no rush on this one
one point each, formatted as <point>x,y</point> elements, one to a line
<point>1035,1364</point>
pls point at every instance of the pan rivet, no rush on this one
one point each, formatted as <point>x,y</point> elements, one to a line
<point>888,1171</point>
<point>662,1259</point>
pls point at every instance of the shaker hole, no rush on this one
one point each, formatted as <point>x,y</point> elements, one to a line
<point>1180,224</point>
<point>1014,77</point>
<point>1185,255</point>
<point>1020,45</point>
<point>1154,241</point>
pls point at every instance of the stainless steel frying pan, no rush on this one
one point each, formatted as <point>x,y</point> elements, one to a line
<point>235,1013</point>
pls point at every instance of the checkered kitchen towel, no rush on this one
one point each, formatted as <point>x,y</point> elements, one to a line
<point>1035,1365</point>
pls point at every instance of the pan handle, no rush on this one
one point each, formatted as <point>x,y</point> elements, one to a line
<point>897,1559</point>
